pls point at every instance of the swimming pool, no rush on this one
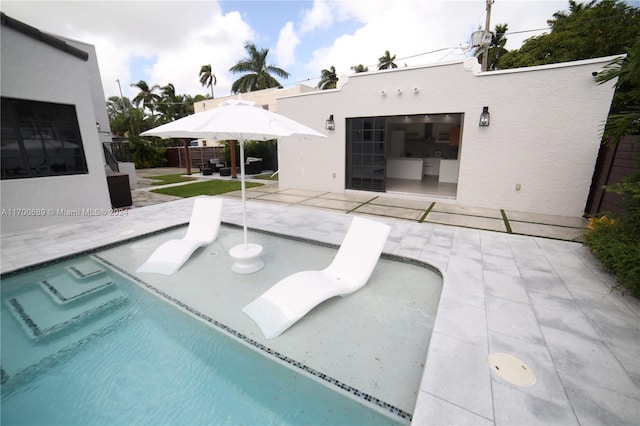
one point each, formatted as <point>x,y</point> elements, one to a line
<point>158,365</point>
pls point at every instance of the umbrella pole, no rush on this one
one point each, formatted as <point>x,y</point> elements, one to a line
<point>244,198</point>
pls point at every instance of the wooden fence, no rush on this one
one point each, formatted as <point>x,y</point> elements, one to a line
<point>198,155</point>
<point>614,164</point>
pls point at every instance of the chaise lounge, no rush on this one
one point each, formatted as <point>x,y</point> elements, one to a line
<point>294,296</point>
<point>203,230</point>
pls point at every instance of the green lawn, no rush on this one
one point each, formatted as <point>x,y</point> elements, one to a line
<point>167,179</point>
<point>209,187</point>
<point>265,177</point>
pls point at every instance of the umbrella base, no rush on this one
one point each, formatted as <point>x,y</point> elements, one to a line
<point>247,258</point>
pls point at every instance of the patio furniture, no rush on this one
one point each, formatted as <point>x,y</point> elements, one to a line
<point>213,165</point>
<point>216,164</point>
<point>203,230</point>
<point>205,170</point>
<point>253,166</point>
<point>225,171</point>
<point>294,296</point>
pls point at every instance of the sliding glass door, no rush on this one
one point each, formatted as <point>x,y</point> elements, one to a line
<point>366,153</point>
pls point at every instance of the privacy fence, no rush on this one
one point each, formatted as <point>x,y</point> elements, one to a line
<point>614,164</point>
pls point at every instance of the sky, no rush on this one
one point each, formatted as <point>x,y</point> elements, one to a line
<point>164,42</point>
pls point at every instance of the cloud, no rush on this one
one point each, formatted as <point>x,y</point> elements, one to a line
<point>412,29</point>
<point>158,41</point>
<point>288,40</point>
<point>220,43</point>
<point>168,41</point>
<point>319,16</point>
<point>405,29</point>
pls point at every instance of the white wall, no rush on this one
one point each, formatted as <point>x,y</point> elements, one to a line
<point>36,71</point>
<point>545,131</point>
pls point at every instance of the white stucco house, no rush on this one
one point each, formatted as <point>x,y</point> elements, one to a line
<point>54,121</point>
<point>419,131</point>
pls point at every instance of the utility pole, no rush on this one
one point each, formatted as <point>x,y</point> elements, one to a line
<point>487,31</point>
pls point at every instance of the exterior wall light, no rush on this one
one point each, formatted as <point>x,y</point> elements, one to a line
<point>330,124</point>
<point>383,93</point>
<point>416,90</point>
<point>485,117</point>
<point>399,91</point>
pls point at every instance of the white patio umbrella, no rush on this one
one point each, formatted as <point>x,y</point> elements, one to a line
<point>239,120</point>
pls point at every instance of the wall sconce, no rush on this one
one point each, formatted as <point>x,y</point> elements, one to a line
<point>330,124</point>
<point>399,92</point>
<point>416,90</point>
<point>383,93</point>
<point>485,117</point>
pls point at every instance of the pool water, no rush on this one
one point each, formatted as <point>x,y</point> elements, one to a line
<point>99,349</point>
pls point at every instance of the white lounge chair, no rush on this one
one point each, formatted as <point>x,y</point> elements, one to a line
<point>203,230</point>
<point>291,298</point>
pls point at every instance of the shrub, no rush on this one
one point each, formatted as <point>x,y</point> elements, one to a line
<point>146,155</point>
<point>616,242</point>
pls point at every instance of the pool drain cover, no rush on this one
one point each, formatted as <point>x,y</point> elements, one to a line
<point>511,369</point>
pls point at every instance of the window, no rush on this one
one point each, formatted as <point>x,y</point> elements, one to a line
<point>40,139</point>
<point>365,153</point>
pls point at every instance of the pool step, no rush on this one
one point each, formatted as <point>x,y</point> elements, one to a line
<point>57,313</point>
<point>64,289</point>
<point>38,314</point>
<point>26,358</point>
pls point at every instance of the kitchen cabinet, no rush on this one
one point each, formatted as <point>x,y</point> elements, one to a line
<point>449,171</point>
<point>431,167</point>
<point>454,136</point>
<point>404,168</point>
<point>397,143</point>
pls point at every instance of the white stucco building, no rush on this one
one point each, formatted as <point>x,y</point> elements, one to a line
<point>54,120</point>
<point>416,131</point>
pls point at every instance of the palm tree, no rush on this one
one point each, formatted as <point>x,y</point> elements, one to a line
<point>624,117</point>
<point>117,106</point>
<point>496,48</point>
<point>359,68</point>
<point>328,79</point>
<point>171,106</point>
<point>258,71</point>
<point>574,7</point>
<point>208,78</point>
<point>146,95</point>
<point>385,61</point>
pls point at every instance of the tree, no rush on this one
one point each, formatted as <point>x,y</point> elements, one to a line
<point>146,96</point>
<point>587,31</point>
<point>117,106</point>
<point>496,48</point>
<point>573,8</point>
<point>624,118</point>
<point>359,68</point>
<point>258,71</point>
<point>328,79</point>
<point>172,106</point>
<point>385,61</point>
<point>117,110</point>
<point>207,77</point>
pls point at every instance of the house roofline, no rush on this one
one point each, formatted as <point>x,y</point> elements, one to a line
<point>581,62</point>
<point>45,38</point>
<point>471,64</point>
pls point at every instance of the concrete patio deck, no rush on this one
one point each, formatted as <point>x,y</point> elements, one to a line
<point>541,299</point>
<point>411,207</point>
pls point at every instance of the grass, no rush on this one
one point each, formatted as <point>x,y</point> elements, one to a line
<point>266,177</point>
<point>209,187</point>
<point>167,179</point>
